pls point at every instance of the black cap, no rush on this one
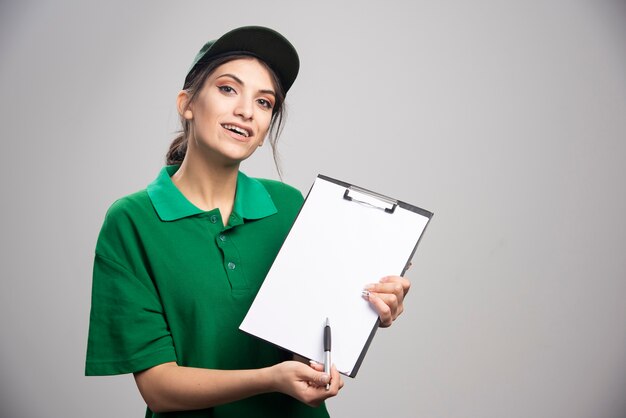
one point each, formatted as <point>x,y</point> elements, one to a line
<point>266,44</point>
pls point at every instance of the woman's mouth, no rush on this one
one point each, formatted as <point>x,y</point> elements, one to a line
<point>237,129</point>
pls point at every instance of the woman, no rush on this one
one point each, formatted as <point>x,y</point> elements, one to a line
<point>178,264</point>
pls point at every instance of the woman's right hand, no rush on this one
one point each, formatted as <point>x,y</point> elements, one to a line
<point>306,383</point>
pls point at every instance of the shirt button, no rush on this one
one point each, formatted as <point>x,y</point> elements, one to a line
<point>213,219</point>
<point>222,237</point>
<point>231,266</point>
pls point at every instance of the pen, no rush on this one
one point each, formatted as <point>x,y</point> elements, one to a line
<point>327,350</point>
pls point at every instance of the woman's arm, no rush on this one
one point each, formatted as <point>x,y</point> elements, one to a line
<point>169,387</point>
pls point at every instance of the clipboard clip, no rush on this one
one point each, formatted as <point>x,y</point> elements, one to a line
<point>370,199</point>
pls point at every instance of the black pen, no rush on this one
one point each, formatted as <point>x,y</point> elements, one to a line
<point>327,350</point>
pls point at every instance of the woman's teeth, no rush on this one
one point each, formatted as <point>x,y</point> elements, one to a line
<point>237,130</point>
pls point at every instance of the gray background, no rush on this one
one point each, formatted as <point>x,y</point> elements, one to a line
<point>505,118</point>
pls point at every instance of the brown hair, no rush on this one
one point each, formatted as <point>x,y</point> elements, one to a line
<point>194,83</point>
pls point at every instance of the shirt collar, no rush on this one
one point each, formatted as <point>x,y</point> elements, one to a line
<point>252,200</point>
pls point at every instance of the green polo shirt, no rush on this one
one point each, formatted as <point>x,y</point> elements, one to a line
<point>172,283</point>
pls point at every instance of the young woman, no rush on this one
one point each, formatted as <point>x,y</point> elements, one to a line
<point>178,264</point>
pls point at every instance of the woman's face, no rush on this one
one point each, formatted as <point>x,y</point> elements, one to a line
<point>232,113</point>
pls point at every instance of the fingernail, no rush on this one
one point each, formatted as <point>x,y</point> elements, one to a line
<point>313,362</point>
<point>369,287</point>
<point>325,378</point>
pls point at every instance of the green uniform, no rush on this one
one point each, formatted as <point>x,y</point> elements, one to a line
<point>171,283</point>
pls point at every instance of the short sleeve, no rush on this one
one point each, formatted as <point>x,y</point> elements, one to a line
<point>127,329</point>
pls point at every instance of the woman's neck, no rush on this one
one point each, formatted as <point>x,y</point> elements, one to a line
<point>207,186</point>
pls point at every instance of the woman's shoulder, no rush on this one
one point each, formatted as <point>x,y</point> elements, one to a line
<point>280,191</point>
<point>129,213</point>
<point>278,187</point>
<point>130,205</point>
<point>122,220</point>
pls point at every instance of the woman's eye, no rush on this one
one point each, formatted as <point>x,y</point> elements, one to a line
<point>226,89</point>
<point>265,103</point>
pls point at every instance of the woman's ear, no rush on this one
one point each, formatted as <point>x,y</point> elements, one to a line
<point>183,105</point>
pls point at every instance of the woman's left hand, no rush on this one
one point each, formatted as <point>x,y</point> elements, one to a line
<point>387,297</point>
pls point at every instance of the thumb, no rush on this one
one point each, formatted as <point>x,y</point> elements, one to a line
<point>319,378</point>
<point>316,366</point>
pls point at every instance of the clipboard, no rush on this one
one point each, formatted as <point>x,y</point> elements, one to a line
<point>344,238</point>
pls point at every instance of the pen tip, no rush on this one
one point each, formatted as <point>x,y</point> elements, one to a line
<point>327,322</point>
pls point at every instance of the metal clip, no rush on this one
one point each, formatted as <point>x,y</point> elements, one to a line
<point>370,199</point>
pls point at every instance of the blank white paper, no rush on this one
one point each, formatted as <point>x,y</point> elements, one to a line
<point>335,248</point>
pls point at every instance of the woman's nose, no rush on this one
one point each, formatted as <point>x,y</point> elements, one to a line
<point>244,109</point>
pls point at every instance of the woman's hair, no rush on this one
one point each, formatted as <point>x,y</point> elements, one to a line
<point>193,85</point>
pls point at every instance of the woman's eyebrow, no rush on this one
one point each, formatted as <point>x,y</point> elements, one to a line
<point>240,81</point>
